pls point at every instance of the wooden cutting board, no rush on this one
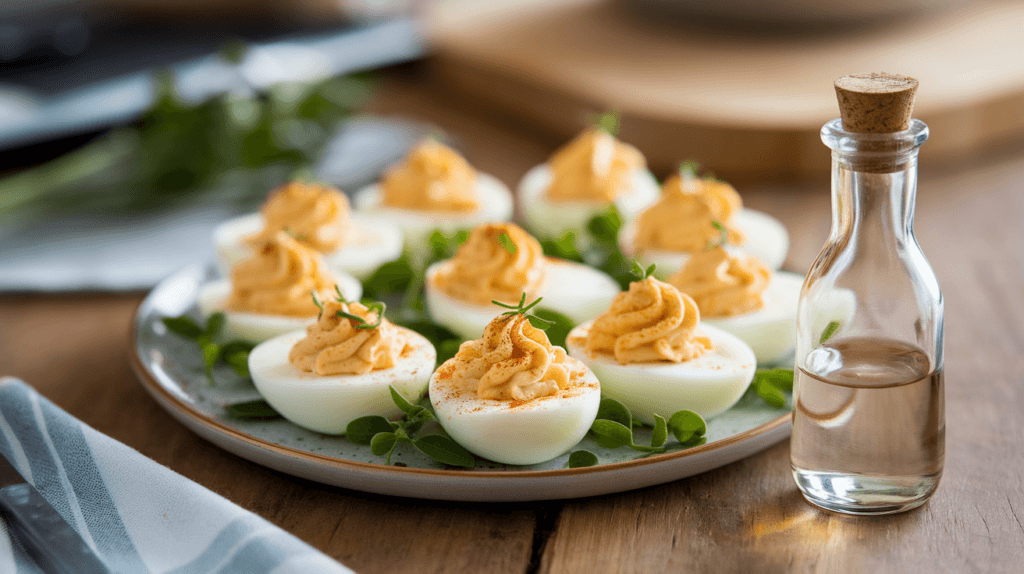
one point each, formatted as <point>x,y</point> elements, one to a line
<point>748,107</point>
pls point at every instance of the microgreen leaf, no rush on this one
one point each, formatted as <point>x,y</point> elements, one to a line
<point>609,122</point>
<point>581,458</point>
<point>400,401</point>
<point>214,325</point>
<point>640,273</point>
<point>392,277</point>
<point>563,248</point>
<point>830,330</point>
<point>781,379</point>
<point>211,352</point>
<point>258,409</point>
<point>685,425</point>
<point>183,326</point>
<point>604,227</point>
<point>660,433</point>
<point>558,325</point>
<point>363,429</point>
<point>507,243</point>
<point>613,410</point>
<point>236,355</point>
<point>296,236</point>
<point>770,394</point>
<point>445,450</point>
<point>383,443</point>
<point>613,433</point>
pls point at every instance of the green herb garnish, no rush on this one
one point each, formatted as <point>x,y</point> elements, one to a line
<point>359,322</point>
<point>383,435</point>
<point>507,243</point>
<point>830,330</point>
<point>723,236</point>
<point>252,410</point>
<point>640,273</point>
<point>771,384</point>
<point>235,353</point>
<point>614,429</point>
<point>523,309</point>
<point>609,122</point>
<point>296,236</point>
<point>689,169</point>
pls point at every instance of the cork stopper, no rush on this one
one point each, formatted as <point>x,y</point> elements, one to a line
<point>876,103</point>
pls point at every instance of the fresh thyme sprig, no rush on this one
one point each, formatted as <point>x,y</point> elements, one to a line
<point>640,272</point>
<point>360,323</point>
<point>523,309</point>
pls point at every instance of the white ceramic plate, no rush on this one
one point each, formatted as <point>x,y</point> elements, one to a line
<point>170,369</point>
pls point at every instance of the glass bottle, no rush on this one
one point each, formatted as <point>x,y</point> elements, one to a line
<point>869,414</point>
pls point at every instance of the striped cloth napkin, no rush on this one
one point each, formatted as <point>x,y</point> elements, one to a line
<point>140,517</point>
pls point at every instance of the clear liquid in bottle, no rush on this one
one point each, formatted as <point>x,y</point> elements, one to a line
<point>869,432</point>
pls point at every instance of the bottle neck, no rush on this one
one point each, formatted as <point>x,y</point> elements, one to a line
<point>874,183</point>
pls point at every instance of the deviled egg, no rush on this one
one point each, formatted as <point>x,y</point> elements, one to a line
<point>651,353</point>
<point>501,262</point>
<point>581,180</point>
<point>694,212</point>
<point>435,188</point>
<point>317,216</point>
<point>741,295</point>
<point>340,367</point>
<point>271,292</point>
<point>512,397</point>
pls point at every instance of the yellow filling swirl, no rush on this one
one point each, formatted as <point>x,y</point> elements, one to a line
<point>335,345</point>
<point>651,322</point>
<point>434,177</point>
<point>683,219</point>
<point>277,279</point>
<point>723,285</point>
<point>314,214</point>
<point>499,262</point>
<point>512,361</point>
<point>593,167</point>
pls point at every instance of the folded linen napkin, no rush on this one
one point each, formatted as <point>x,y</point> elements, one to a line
<point>140,517</point>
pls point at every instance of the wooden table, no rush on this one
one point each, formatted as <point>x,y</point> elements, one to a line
<point>745,517</point>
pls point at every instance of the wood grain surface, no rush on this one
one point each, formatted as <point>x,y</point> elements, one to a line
<point>745,517</point>
<point>748,105</point>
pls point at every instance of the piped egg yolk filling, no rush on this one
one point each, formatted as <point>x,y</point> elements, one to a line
<point>336,345</point>
<point>314,214</point>
<point>512,361</point>
<point>489,267</point>
<point>434,177</point>
<point>723,285</point>
<point>683,218</point>
<point>650,322</point>
<point>277,279</point>
<point>593,167</point>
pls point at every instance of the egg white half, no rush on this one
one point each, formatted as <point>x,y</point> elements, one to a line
<point>416,226</point>
<point>517,432</point>
<point>371,242</point>
<point>551,219</point>
<point>771,330</point>
<point>767,240</point>
<point>575,290</point>
<point>707,385</point>
<point>328,403</point>
<point>255,327</point>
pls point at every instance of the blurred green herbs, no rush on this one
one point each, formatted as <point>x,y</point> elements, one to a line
<point>236,145</point>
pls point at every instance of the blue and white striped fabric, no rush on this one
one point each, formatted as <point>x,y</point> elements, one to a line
<point>140,517</point>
